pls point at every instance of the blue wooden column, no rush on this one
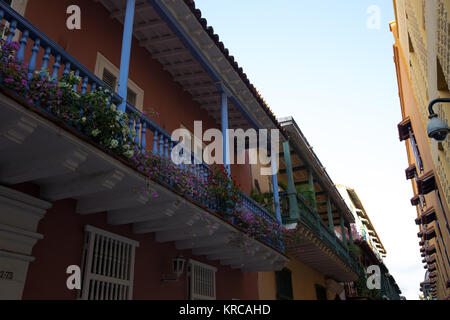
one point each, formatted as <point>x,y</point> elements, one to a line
<point>224,120</point>
<point>126,52</point>
<point>276,196</point>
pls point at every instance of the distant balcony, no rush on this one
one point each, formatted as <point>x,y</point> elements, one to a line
<point>70,161</point>
<point>319,242</point>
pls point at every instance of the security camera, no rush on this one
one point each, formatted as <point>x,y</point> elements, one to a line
<point>437,129</point>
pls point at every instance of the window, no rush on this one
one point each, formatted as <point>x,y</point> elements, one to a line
<point>201,281</point>
<point>441,205</point>
<point>109,74</point>
<point>284,284</point>
<point>321,292</point>
<point>411,47</point>
<point>442,83</point>
<point>108,266</point>
<point>19,6</point>
<point>415,147</point>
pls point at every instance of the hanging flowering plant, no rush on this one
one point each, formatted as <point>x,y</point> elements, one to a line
<point>223,188</point>
<point>161,168</point>
<point>93,114</point>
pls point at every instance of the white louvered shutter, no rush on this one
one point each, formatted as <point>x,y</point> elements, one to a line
<point>108,266</point>
<point>201,281</point>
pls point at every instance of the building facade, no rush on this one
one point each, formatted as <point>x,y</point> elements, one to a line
<point>363,228</point>
<point>421,54</point>
<point>89,182</point>
<point>93,204</point>
<point>320,260</point>
<point>87,178</point>
<point>371,252</point>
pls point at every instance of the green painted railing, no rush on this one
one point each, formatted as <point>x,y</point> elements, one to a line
<point>311,220</point>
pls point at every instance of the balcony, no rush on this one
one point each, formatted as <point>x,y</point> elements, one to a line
<point>320,246</point>
<point>128,174</point>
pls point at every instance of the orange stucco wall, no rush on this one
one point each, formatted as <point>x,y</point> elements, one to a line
<point>62,246</point>
<point>410,109</point>
<point>304,279</point>
<point>100,33</point>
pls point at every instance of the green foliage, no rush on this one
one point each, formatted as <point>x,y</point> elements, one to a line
<point>282,185</point>
<point>265,200</point>
<point>354,250</point>
<point>91,113</point>
<point>361,286</point>
<point>308,194</point>
<point>223,187</point>
<point>94,115</point>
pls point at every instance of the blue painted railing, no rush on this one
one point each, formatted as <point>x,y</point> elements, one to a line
<point>57,62</point>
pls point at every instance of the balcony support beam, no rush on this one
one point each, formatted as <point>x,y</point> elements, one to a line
<point>276,196</point>
<point>344,238</point>
<point>126,53</point>
<point>330,213</point>
<point>350,236</point>
<point>224,121</point>
<point>311,185</point>
<point>294,212</point>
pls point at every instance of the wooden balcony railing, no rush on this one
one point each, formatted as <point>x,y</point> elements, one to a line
<point>56,62</point>
<point>311,219</point>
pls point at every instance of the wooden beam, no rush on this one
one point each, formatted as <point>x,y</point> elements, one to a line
<point>139,7</point>
<point>180,221</point>
<point>27,169</point>
<point>197,231</point>
<point>249,260</point>
<point>83,185</point>
<point>157,41</point>
<point>149,25</point>
<point>192,76</point>
<point>16,132</point>
<point>111,201</point>
<point>210,249</point>
<point>300,168</point>
<point>205,241</point>
<point>170,53</point>
<point>182,65</point>
<point>144,213</point>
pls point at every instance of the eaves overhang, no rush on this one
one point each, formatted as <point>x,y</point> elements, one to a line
<point>176,34</point>
<point>304,150</point>
<point>315,253</point>
<point>357,202</point>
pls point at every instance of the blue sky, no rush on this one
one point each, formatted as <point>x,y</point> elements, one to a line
<point>319,62</point>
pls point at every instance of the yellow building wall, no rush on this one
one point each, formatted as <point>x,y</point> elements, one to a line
<point>414,71</point>
<point>304,279</point>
